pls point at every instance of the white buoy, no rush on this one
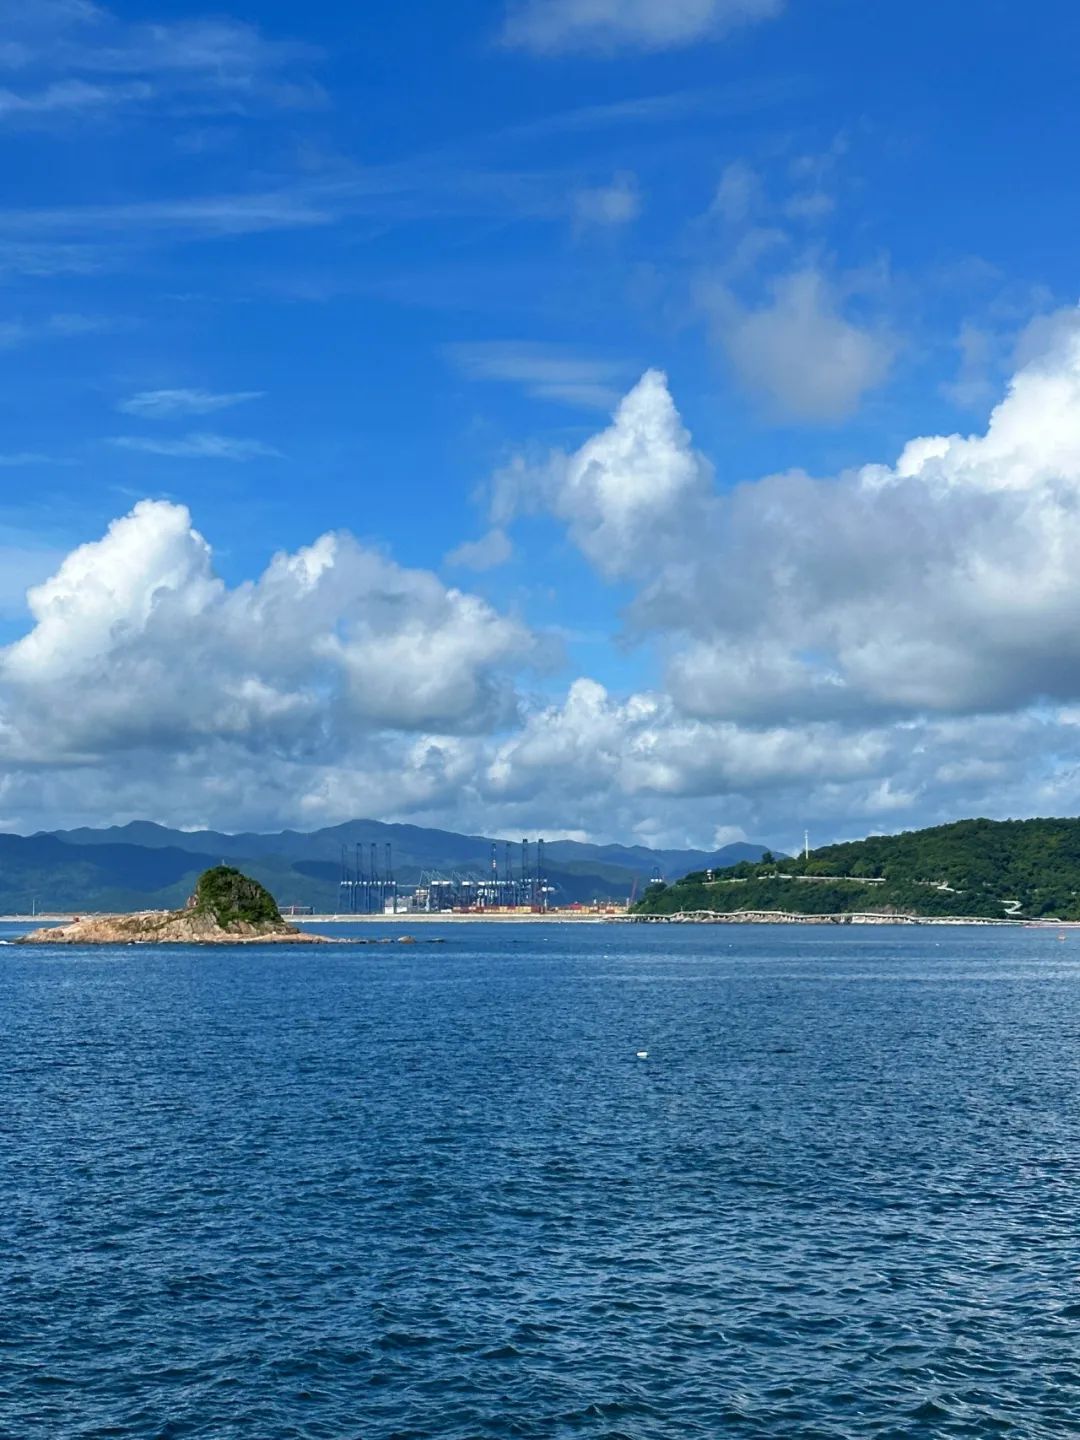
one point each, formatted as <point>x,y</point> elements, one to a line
<point>643,1054</point>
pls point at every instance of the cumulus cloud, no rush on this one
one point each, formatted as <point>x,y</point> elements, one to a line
<point>640,765</point>
<point>161,654</point>
<point>891,646</point>
<point>799,350</point>
<point>628,493</point>
<point>645,746</point>
<point>550,26</point>
<point>165,404</point>
<point>945,583</point>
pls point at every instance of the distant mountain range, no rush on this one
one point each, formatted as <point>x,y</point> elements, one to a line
<point>145,866</point>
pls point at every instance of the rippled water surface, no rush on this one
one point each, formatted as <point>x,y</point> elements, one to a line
<point>408,1192</point>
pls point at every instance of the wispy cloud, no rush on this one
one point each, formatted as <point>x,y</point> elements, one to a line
<point>239,214</point>
<point>424,188</point>
<point>19,458</point>
<point>452,181</point>
<point>164,404</point>
<point>739,195</point>
<point>490,551</point>
<point>546,372</point>
<point>70,95</point>
<point>604,205</point>
<point>41,260</point>
<point>14,333</point>
<point>77,57</point>
<point>552,26</point>
<point>716,102</point>
<point>198,446</point>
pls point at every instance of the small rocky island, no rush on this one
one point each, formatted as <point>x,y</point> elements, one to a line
<point>227,908</point>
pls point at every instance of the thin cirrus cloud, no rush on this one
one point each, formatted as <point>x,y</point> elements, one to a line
<point>418,189</point>
<point>14,333</point>
<point>42,259</point>
<point>17,459</point>
<point>70,96</point>
<point>209,215</point>
<point>552,26</point>
<point>80,58</point>
<point>743,97</point>
<point>544,372</point>
<point>165,404</point>
<point>198,446</point>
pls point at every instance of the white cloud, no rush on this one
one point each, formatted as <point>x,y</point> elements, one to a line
<point>627,493</point>
<point>79,59</point>
<point>211,215</point>
<point>973,388</point>
<point>490,551</point>
<point>550,26</point>
<point>891,646</point>
<point>136,642</point>
<point>799,350</point>
<point>14,333</point>
<point>18,459</point>
<point>198,446</point>
<point>944,583</point>
<point>643,746</point>
<point>546,372</point>
<point>738,195</point>
<point>810,205</point>
<point>164,404</point>
<point>43,260</point>
<point>71,96</point>
<point>605,205</point>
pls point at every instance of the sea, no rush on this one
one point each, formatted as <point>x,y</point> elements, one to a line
<point>616,1181</point>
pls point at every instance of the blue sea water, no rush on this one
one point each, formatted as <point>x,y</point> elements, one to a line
<point>390,1193</point>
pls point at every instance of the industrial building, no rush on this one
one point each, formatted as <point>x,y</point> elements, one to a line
<point>500,890</point>
<point>367,890</point>
<point>363,890</point>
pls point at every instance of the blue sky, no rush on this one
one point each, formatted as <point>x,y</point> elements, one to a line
<point>390,270</point>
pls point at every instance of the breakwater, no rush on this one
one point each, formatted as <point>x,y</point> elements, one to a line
<point>792,917</point>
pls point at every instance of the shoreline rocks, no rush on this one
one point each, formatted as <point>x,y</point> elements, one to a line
<point>170,927</point>
<point>225,908</point>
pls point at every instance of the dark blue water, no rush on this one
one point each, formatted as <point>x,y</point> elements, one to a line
<point>375,1193</point>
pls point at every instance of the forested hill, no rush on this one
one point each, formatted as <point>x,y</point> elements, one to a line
<point>986,868</point>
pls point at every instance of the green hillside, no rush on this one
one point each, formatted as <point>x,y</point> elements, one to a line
<point>985,868</point>
<point>232,898</point>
